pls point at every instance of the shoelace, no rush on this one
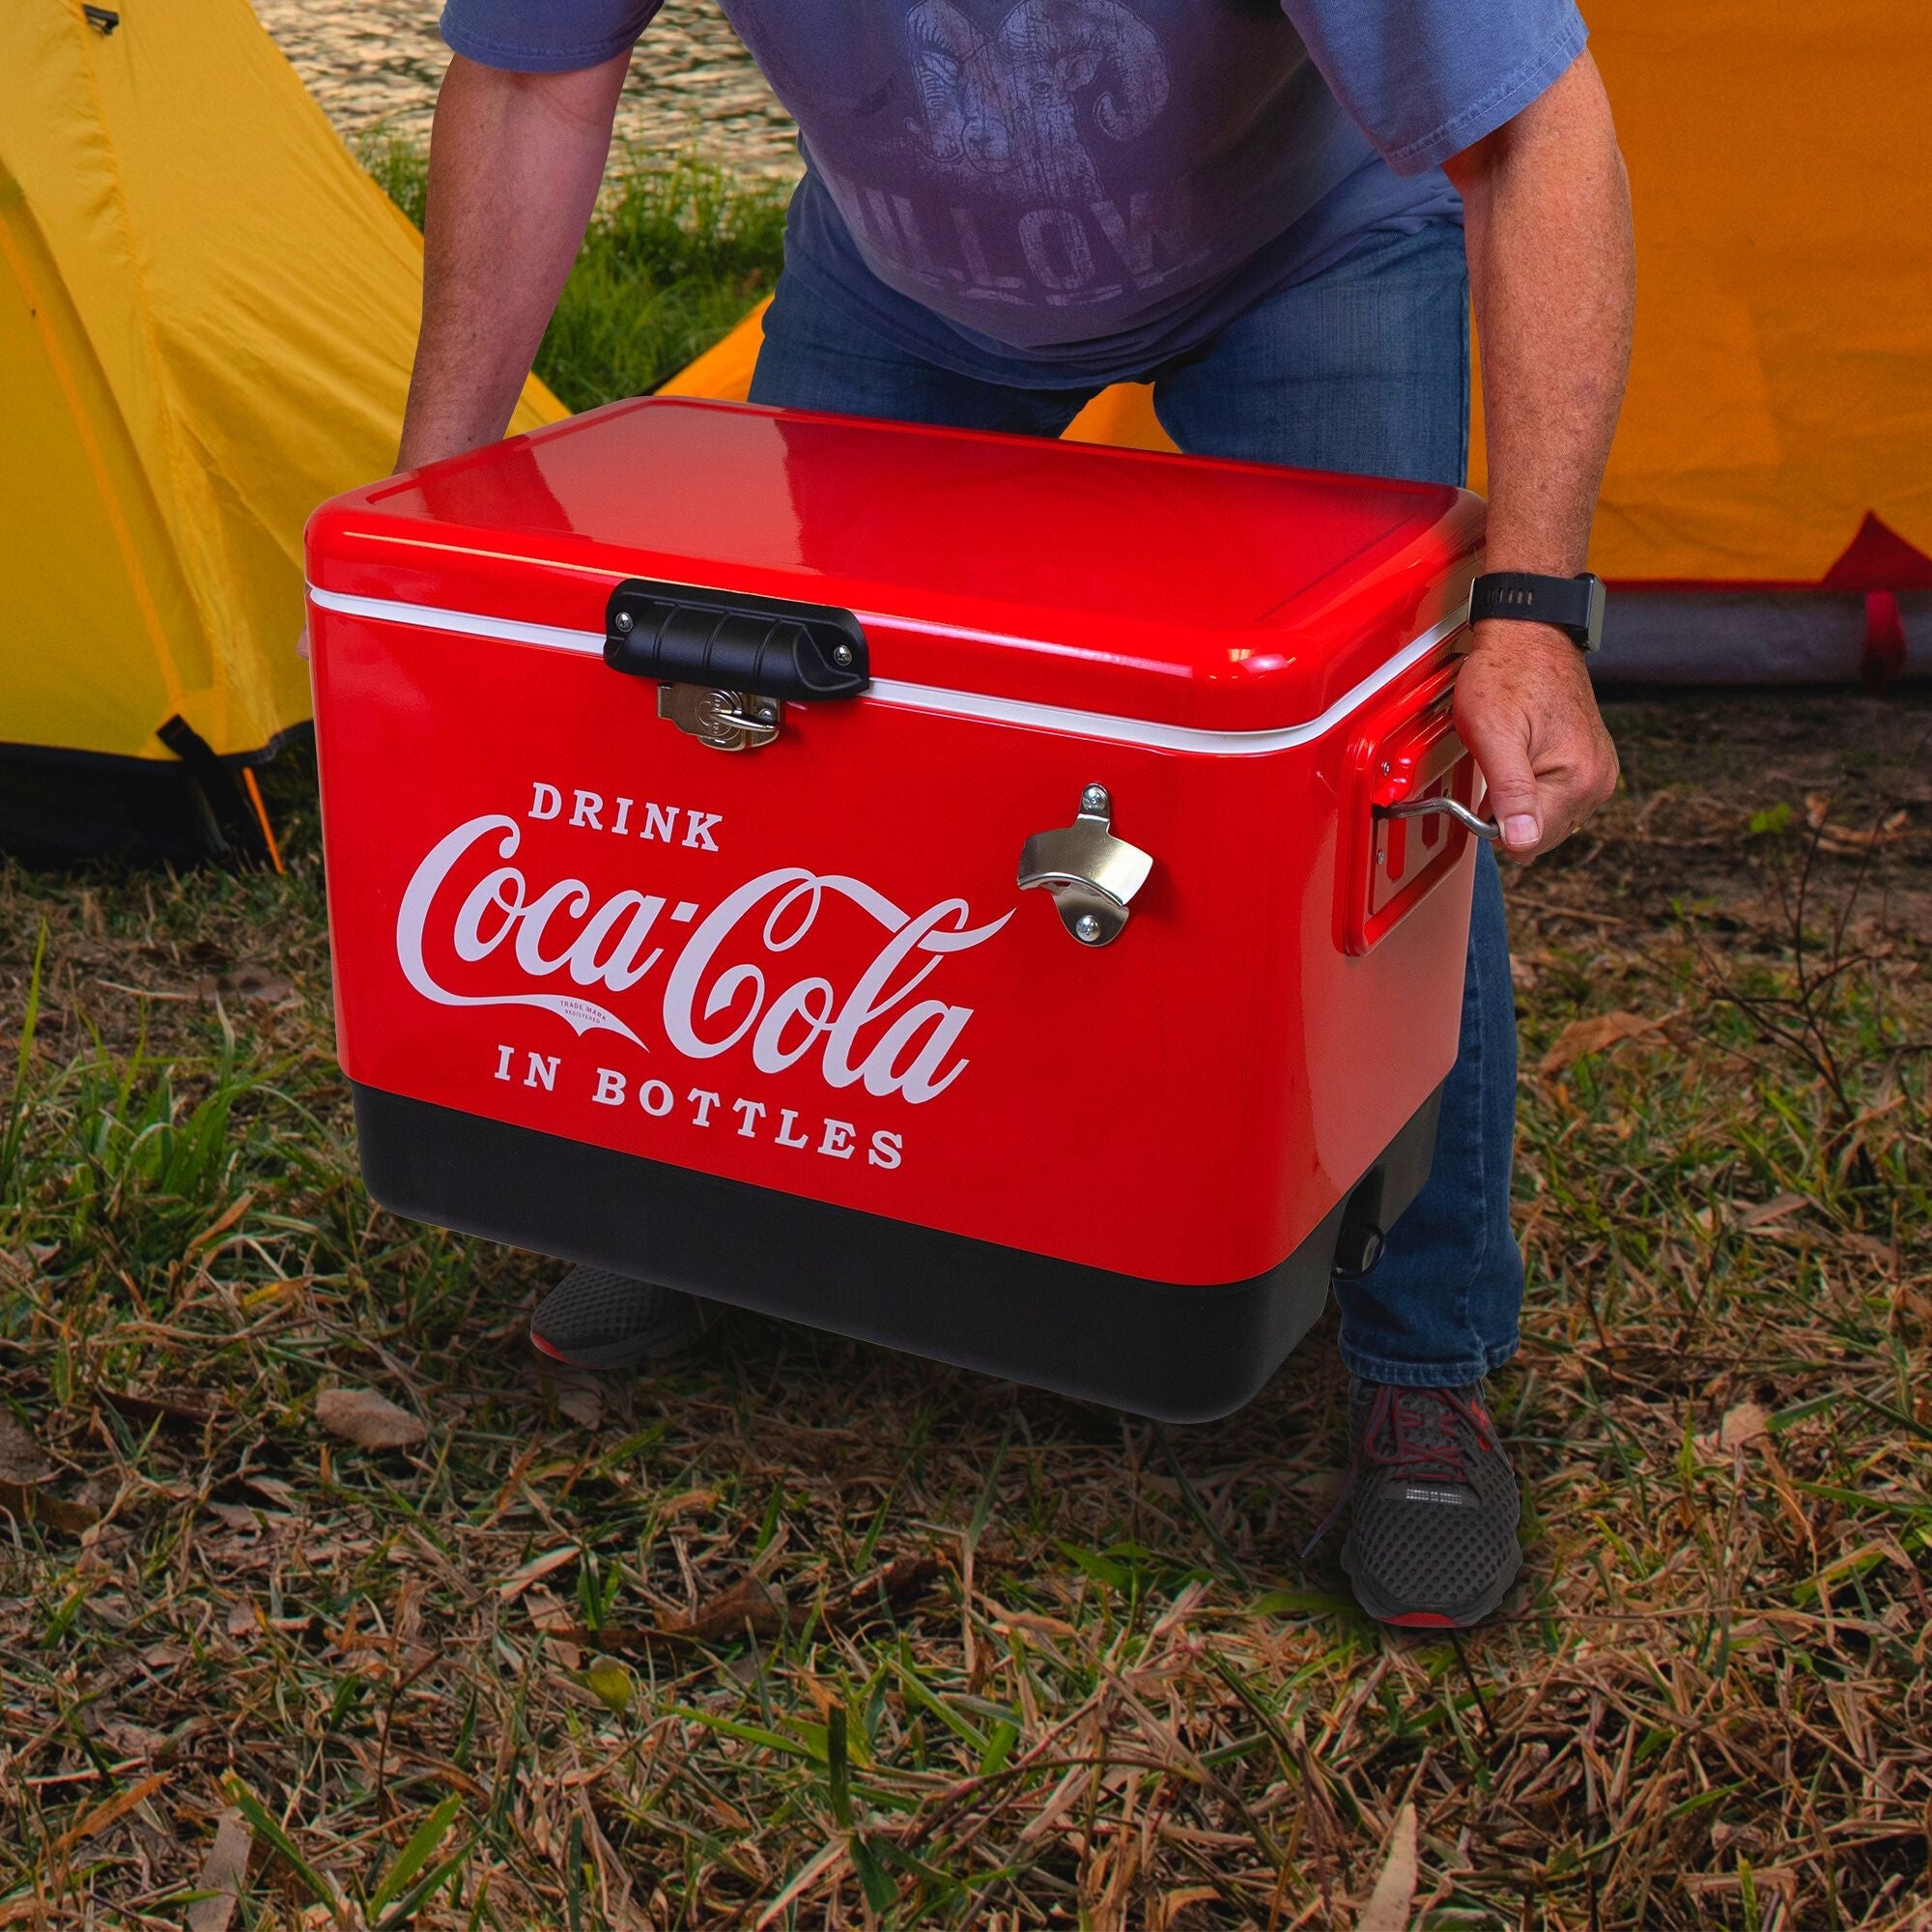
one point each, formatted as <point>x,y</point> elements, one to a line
<point>1397,1413</point>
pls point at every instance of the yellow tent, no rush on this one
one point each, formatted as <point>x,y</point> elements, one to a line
<point>207,318</point>
<point>1767,511</point>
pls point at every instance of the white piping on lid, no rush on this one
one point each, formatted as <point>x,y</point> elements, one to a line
<point>973,704</point>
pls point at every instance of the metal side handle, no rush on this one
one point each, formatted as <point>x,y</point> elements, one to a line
<point>1091,874</point>
<point>1448,808</point>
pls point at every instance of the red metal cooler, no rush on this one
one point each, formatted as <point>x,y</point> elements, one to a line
<point>937,887</point>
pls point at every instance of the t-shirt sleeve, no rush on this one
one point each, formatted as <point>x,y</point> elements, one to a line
<point>544,36</point>
<point>1424,79</point>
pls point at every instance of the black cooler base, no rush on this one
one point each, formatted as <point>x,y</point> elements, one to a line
<point>1179,1353</point>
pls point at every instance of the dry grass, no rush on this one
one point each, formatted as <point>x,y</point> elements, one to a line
<point>805,1634</point>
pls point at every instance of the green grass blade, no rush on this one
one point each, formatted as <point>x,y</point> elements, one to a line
<point>17,1112</point>
<point>417,1854</point>
<point>270,1827</point>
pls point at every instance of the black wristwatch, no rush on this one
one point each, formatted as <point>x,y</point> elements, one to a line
<point>1571,605</point>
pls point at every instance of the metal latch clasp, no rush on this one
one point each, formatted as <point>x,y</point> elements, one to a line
<point>727,721</point>
<point>1090,873</point>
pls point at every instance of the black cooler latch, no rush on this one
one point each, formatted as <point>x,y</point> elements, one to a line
<point>725,664</point>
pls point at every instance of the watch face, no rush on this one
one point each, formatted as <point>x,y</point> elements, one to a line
<point>1593,622</point>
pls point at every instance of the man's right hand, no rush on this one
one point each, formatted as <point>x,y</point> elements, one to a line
<point>514,163</point>
<point>1525,708</point>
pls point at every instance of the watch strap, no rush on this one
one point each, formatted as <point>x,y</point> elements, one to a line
<point>1572,605</point>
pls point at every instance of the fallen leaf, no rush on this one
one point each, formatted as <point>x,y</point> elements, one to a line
<point>189,1411</point>
<point>1594,1035</point>
<point>258,983</point>
<point>110,1810</point>
<point>1387,1909</point>
<point>367,1419</point>
<point>518,1581</point>
<point>1873,1249</point>
<point>1862,839</point>
<point>1742,1424</point>
<point>583,1406</point>
<point>718,1621</point>
<point>133,1740</point>
<point>27,1503</point>
<point>221,1874</point>
<point>688,1502</point>
<point>727,1613</point>
<point>903,1580</point>
<point>222,1223</point>
<point>22,1458</point>
<point>1759,1213</point>
<point>551,1614</point>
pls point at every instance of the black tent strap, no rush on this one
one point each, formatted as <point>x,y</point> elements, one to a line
<point>235,831</point>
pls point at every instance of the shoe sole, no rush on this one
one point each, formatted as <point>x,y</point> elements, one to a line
<point>1459,1619</point>
<point>662,1345</point>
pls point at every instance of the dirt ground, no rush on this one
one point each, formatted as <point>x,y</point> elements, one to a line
<point>805,1633</point>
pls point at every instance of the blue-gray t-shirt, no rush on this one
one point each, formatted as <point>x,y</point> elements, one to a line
<point>1088,188</point>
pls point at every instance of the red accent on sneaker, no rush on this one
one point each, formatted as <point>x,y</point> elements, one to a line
<point>1423,1620</point>
<point>543,1348</point>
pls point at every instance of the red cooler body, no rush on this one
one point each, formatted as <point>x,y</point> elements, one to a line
<point>933,886</point>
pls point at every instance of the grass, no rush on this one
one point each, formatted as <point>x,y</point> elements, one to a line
<point>805,1634</point>
<point>677,254</point>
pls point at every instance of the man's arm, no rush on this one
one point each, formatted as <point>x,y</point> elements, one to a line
<point>514,164</point>
<point>1547,208</point>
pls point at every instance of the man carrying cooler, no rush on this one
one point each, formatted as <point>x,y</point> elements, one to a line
<point>1275,213</point>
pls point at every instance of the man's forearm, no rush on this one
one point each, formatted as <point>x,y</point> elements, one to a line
<point>1547,208</point>
<point>1547,205</point>
<point>514,163</point>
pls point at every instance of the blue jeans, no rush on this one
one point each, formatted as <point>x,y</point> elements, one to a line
<point>1363,368</point>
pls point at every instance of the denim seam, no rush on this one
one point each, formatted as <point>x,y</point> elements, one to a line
<point>1466,1288</point>
<point>1417,1374</point>
<point>1494,1236</point>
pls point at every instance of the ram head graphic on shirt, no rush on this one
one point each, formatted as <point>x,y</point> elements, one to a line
<point>1004,111</point>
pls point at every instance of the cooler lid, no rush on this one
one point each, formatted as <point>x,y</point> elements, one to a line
<point>1213,596</point>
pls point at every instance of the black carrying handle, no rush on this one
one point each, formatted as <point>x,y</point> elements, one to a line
<point>766,645</point>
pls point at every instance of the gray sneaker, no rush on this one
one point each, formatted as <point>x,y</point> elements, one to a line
<point>1432,1541</point>
<point>595,1320</point>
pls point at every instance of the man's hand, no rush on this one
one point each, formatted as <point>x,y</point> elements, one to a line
<point>1524,707</point>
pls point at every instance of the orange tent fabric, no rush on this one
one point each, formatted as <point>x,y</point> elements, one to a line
<point>1778,426</point>
<point>1781,162</point>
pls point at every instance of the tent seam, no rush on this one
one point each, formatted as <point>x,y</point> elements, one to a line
<point>180,481</point>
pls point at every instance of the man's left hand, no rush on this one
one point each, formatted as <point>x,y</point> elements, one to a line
<point>1525,709</point>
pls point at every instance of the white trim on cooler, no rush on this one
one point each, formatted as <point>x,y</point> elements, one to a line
<point>933,697</point>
